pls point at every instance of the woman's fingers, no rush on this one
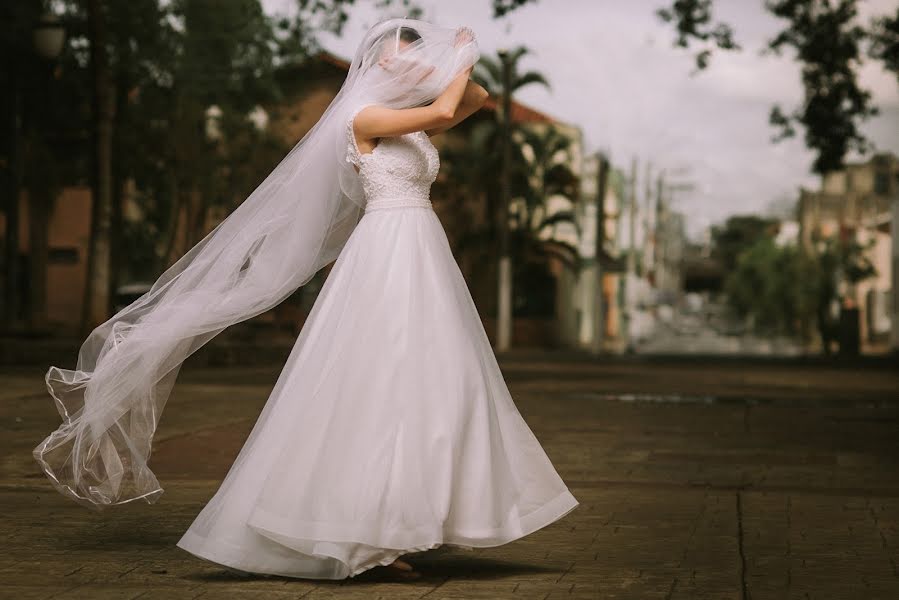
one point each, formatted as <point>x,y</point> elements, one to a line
<point>463,36</point>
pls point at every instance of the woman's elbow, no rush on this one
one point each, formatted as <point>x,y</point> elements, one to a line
<point>481,96</point>
<point>445,116</point>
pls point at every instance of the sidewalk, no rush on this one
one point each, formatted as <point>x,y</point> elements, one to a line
<point>697,479</point>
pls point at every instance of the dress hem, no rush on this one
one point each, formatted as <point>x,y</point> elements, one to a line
<point>227,555</point>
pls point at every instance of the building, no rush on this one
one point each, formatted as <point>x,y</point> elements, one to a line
<point>857,203</point>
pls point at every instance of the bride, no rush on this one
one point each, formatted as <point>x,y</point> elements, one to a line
<point>390,429</point>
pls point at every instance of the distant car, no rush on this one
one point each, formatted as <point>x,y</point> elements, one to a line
<point>126,294</point>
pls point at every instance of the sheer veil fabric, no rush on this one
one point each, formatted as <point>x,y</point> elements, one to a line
<point>293,224</point>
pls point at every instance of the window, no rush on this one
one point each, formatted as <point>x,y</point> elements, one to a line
<point>63,256</point>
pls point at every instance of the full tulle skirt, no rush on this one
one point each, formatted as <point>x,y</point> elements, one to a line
<point>390,429</point>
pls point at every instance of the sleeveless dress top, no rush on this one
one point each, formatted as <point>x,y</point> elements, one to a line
<point>398,172</point>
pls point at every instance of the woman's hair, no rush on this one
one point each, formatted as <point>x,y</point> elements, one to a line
<point>391,38</point>
<point>408,34</point>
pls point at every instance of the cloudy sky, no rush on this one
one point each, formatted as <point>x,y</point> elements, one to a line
<point>615,73</point>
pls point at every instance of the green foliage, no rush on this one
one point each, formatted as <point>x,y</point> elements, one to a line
<point>547,174</point>
<point>784,290</point>
<point>502,7</point>
<point>171,61</point>
<point>693,20</point>
<point>828,45</point>
<point>775,286</point>
<point>738,233</point>
<point>828,42</point>
<point>885,41</point>
<point>539,171</point>
<point>332,15</point>
<point>489,73</point>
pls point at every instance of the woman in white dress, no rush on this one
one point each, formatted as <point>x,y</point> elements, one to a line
<point>390,429</point>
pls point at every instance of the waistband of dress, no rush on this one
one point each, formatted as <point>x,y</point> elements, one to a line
<point>398,203</point>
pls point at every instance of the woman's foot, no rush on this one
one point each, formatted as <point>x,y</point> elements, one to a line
<point>401,564</point>
<point>403,569</point>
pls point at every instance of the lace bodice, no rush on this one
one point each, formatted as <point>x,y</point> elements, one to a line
<point>398,172</point>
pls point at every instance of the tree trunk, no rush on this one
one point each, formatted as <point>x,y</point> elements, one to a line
<point>39,210</point>
<point>11,284</point>
<point>504,291</point>
<point>120,189</point>
<point>167,240</point>
<point>97,290</point>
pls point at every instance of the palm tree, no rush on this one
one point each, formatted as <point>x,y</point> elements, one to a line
<point>539,172</point>
<point>489,74</point>
<point>548,175</point>
<point>502,78</point>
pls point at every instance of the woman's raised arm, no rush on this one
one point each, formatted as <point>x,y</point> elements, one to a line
<point>378,121</point>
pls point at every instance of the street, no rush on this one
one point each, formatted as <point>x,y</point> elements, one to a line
<point>725,479</point>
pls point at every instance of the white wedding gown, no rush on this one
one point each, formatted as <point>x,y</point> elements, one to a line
<point>390,429</point>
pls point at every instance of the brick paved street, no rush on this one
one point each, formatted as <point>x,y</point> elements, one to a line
<point>724,480</point>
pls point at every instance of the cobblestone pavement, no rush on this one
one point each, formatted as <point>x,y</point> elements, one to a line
<point>697,479</point>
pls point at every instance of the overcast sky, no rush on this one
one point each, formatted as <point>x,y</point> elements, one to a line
<point>615,74</point>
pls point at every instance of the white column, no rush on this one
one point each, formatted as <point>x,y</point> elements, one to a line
<point>504,312</point>
<point>894,286</point>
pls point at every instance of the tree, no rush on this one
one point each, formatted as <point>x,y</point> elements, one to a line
<point>139,78</point>
<point>784,290</point>
<point>774,286</point>
<point>540,172</point>
<point>332,14</point>
<point>44,147</point>
<point>828,44</point>
<point>738,233</point>
<point>545,175</point>
<point>489,74</point>
<point>693,20</point>
<point>839,259</point>
<point>96,300</point>
<point>474,166</point>
<point>167,63</point>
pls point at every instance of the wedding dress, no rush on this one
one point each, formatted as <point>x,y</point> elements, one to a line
<point>413,442</point>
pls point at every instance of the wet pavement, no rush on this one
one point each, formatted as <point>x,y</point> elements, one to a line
<point>722,479</point>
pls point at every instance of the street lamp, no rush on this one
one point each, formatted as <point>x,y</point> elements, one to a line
<point>48,37</point>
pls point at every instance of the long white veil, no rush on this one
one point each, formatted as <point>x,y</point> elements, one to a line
<point>293,224</point>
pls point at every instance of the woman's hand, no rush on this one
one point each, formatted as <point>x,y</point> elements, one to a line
<point>463,36</point>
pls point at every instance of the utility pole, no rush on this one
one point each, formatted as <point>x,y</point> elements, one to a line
<point>669,240</point>
<point>630,275</point>
<point>658,250</point>
<point>504,292</point>
<point>648,242</point>
<point>599,321</point>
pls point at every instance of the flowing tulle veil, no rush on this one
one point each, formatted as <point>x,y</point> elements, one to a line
<point>293,224</point>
